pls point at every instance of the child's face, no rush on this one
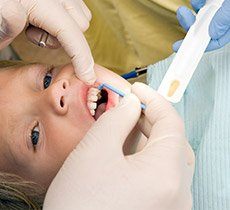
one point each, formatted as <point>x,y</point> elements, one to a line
<point>41,126</point>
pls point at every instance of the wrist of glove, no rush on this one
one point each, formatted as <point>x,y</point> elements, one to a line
<point>98,176</point>
<point>219,29</point>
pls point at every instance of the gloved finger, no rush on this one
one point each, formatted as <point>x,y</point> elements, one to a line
<point>197,4</point>
<point>37,35</point>
<point>68,33</point>
<point>217,44</point>
<point>144,125</point>
<point>185,17</point>
<point>177,45</point>
<point>12,21</point>
<point>167,134</point>
<point>159,112</point>
<point>213,45</point>
<point>76,12</point>
<point>220,24</point>
<point>75,44</point>
<point>86,10</point>
<point>111,129</point>
<point>186,20</point>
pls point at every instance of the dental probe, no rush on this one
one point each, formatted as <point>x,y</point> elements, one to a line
<point>115,90</point>
<point>189,54</point>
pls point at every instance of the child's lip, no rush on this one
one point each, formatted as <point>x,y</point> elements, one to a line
<point>83,91</point>
<point>113,98</point>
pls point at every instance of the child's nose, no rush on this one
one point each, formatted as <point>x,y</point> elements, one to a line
<point>58,92</point>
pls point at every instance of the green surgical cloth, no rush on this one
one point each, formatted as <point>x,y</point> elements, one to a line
<point>125,34</point>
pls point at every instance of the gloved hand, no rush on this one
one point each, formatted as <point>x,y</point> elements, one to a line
<point>63,19</point>
<point>97,176</point>
<point>219,29</point>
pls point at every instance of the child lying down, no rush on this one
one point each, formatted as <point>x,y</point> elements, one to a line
<point>45,112</point>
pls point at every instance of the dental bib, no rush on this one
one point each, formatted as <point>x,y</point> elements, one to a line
<point>205,108</point>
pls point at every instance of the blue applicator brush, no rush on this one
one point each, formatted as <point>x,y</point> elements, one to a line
<point>115,90</point>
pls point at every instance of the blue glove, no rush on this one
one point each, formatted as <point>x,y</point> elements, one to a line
<point>219,29</point>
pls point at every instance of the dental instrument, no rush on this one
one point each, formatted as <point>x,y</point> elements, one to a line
<point>117,91</point>
<point>189,54</point>
<point>135,73</point>
<point>43,39</point>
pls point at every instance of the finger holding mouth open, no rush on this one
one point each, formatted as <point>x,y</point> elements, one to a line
<point>99,101</point>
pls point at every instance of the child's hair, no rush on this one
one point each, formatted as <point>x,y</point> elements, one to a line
<point>18,194</point>
<point>5,64</point>
<point>15,192</point>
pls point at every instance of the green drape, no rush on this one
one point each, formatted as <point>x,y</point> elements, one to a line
<point>127,33</point>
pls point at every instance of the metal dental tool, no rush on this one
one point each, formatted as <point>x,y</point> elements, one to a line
<point>189,54</point>
<point>115,90</point>
<point>43,39</point>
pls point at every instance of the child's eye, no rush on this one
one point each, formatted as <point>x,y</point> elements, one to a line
<point>47,79</point>
<point>35,135</point>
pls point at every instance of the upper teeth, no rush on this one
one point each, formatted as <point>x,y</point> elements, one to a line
<point>92,98</point>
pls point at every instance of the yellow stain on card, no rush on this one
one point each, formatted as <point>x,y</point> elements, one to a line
<point>173,87</point>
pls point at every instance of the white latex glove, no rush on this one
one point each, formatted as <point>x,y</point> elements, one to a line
<point>97,176</point>
<point>63,19</point>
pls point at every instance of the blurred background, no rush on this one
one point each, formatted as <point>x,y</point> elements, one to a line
<point>123,34</point>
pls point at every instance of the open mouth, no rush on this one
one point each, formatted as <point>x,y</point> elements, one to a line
<point>97,101</point>
<point>101,104</point>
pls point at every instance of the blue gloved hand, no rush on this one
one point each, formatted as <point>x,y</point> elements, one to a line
<point>219,29</point>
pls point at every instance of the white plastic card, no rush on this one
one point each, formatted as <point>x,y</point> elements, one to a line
<point>188,56</point>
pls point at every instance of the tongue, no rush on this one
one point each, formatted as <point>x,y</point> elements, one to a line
<point>100,110</point>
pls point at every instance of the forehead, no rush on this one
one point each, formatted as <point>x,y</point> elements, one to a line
<point>9,79</point>
<point>12,86</point>
<point>16,84</point>
<point>10,75</point>
<point>15,87</point>
<point>18,79</point>
<point>7,74</point>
